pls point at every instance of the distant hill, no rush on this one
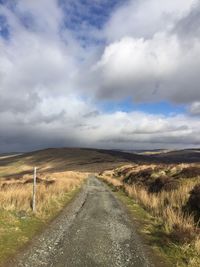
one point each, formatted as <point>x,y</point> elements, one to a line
<point>179,156</point>
<point>61,159</point>
<point>90,160</point>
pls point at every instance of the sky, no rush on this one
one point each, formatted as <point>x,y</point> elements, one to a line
<point>114,74</point>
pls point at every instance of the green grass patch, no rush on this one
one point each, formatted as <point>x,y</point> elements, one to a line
<point>15,232</point>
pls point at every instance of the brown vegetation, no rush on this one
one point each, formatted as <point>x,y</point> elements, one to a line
<point>163,183</point>
<point>189,172</point>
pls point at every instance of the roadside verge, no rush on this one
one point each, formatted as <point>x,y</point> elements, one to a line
<point>18,224</point>
<point>152,230</point>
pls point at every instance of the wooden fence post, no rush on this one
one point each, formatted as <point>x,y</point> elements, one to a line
<point>34,189</point>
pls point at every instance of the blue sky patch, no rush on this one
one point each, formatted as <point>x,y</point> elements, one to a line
<point>85,16</point>
<point>163,108</point>
<point>88,12</point>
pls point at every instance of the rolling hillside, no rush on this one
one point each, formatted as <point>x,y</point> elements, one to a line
<point>90,160</point>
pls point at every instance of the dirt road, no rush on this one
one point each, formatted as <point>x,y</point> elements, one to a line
<point>94,230</point>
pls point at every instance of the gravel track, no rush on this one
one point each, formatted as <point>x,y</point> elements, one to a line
<point>93,230</point>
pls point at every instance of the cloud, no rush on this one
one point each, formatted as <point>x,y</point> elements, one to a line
<point>144,18</point>
<point>34,62</point>
<point>93,113</point>
<point>38,65</point>
<point>140,130</point>
<point>137,66</point>
<point>161,67</point>
<point>194,108</point>
<point>189,25</point>
<point>53,81</point>
<point>130,130</point>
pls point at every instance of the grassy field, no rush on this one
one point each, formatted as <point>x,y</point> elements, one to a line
<point>164,193</point>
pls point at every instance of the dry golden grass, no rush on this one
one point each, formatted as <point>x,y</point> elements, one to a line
<point>175,199</point>
<point>166,205</point>
<point>16,195</point>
